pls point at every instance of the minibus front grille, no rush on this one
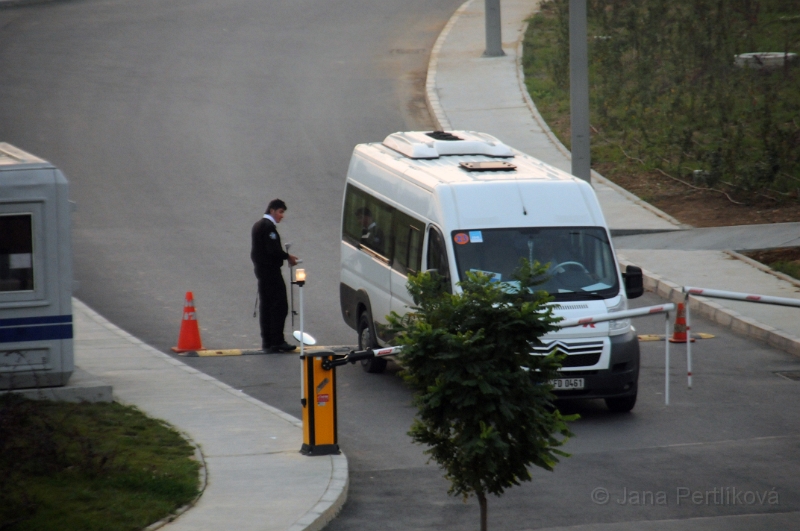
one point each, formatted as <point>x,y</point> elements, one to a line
<point>581,360</point>
<point>579,354</point>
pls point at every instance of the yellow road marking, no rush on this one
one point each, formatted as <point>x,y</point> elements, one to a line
<point>651,337</point>
<point>656,337</point>
<point>208,353</point>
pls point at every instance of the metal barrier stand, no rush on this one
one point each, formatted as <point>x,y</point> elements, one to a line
<point>638,312</point>
<point>730,295</point>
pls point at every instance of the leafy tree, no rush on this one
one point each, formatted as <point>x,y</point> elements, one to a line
<point>485,403</point>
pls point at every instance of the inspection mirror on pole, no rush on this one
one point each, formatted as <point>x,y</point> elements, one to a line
<point>305,339</point>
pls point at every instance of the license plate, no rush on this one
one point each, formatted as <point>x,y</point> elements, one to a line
<point>563,384</point>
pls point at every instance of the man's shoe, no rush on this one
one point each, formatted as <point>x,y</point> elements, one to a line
<point>284,347</point>
<point>271,350</point>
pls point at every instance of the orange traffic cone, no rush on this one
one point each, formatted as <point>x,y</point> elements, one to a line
<point>189,338</point>
<point>679,331</point>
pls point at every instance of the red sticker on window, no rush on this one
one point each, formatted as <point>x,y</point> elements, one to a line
<point>461,238</point>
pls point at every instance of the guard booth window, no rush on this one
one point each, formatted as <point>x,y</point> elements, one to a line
<point>437,257</point>
<point>367,222</point>
<point>16,252</point>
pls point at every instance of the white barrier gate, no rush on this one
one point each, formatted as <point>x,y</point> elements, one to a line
<point>730,295</point>
<point>665,309</point>
<point>585,321</point>
<point>638,312</point>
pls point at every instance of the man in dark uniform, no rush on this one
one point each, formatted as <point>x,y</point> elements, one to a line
<point>268,255</point>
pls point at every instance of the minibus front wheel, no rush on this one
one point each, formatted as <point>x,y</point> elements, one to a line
<point>622,404</point>
<point>367,340</point>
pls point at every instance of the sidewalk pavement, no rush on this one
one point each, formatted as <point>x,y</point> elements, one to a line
<point>254,477</point>
<point>253,472</point>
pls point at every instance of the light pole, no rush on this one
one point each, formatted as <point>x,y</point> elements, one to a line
<point>494,37</point>
<point>579,90</point>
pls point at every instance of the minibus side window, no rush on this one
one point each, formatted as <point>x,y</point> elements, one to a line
<point>407,243</point>
<point>437,257</point>
<point>351,228</point>
<point>16,252</point>
<point>367,222</point>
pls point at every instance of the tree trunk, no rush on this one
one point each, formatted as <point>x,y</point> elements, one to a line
<point>482,503</point>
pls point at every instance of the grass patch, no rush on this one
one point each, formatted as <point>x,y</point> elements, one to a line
<point>666,97</point>
<point>89,466</point>
<point>784,260</point>
<point>790,268</point>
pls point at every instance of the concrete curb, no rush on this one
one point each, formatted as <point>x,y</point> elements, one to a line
<point>335,495</point>
<point>198,455</point>
<point>762,267</point>
<point>431,92</point>
<point>717,313</point>
<point>331,502</point>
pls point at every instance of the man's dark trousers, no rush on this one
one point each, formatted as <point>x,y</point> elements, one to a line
<point>272,307</point>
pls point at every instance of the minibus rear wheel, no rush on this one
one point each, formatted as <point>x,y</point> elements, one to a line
<point>365,341</point>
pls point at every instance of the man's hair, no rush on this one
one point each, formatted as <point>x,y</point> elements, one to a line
<point>276,204</point>
<point>363,211</point>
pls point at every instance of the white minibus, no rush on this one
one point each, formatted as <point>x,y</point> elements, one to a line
<point>463,201</point>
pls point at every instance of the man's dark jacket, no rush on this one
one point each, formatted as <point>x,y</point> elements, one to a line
<point>267,252</point>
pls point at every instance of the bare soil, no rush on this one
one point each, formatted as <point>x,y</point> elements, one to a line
<point>686,203</point>
<point>770,256</point>
<point>700,208</point>
<point>704,208</point>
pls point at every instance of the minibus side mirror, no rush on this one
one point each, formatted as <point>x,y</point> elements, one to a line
<point>634,283</point>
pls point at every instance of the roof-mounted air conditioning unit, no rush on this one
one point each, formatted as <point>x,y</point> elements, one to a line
<point>419,145</point>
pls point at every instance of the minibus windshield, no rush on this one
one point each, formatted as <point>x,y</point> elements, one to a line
<point>580,264</point>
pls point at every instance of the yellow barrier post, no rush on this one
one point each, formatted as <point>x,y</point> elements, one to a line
<point>319,404</point>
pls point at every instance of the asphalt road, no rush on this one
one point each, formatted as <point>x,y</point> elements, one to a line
<point>177,122</point>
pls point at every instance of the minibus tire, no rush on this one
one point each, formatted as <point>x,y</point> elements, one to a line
<point>622,404</point>
<point>365,341</point>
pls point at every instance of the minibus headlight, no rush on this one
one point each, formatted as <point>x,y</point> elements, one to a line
<point>619,325</point>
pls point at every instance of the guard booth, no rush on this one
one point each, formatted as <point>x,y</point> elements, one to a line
<point>35,273</point>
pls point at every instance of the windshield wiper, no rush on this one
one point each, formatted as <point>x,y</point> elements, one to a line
<point>594,295</point>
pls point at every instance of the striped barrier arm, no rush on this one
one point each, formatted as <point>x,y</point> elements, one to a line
<point>567,323</point>
<point>636,312</point>
<point>736,296</point>
<point>730,295</point>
